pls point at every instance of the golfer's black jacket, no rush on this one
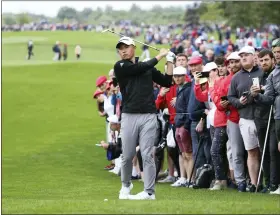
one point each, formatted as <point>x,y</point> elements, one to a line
<point>136,84</point>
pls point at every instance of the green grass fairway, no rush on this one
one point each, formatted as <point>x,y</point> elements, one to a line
<point>50,125</point>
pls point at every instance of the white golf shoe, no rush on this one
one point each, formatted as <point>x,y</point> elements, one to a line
<point>277,192</point>
<point>142,196</point>
<point>125,192</point>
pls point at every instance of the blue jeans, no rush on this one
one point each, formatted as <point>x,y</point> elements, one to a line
<point>204,155</point>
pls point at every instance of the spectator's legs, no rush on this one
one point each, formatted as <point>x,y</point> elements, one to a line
<point>261,126</point>
<point>249,134</point>
<point>274,158</point>
<point>238,151</point>
<point>218,153</point>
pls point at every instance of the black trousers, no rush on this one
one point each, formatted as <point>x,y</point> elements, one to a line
<point>271,161</point>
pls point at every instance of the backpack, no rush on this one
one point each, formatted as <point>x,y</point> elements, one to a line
<point>204,176</point>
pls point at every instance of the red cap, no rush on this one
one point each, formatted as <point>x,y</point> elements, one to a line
<point>195,60</point>
<point>250,43</point>
<point>101,80</point>
<point>96,93</point>
<point>265,44</point>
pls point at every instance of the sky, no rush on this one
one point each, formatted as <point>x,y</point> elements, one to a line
<point>50,8</point>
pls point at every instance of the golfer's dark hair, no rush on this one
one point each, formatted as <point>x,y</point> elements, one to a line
<point>265,52</point>
<point>219,60</point>
<point>181,55</point>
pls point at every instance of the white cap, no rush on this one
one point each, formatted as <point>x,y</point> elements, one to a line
<point>57,42</point>
<point>113,119</point>
<point>247,49</point>
<point>126,40</point>
<point>233,56</point>
<point>210,66</point>
<point>179,70</point>
<point>196,53</point>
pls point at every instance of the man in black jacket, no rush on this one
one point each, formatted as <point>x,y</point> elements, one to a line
<point>271,161</point>
<point>138,119</point>
<point>272,96</point>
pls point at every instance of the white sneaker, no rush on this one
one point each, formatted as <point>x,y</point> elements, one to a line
<point>125,192</point>
<point>142,196</point>
<point>277,192</point>
<point>180,183</point>
<point>116,170</point>
<point>168,179</point>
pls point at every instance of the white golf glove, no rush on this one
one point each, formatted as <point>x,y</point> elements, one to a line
<point>170,57</point>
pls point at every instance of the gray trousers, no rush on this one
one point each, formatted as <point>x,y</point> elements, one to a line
<point>237,150</point>
<point>139,128</point>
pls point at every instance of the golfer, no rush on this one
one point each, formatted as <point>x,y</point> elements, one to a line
<point>138,118</point>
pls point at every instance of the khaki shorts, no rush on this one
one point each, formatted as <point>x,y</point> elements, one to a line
<point>249,133</point>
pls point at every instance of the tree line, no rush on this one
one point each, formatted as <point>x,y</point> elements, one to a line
<point>232,13</point>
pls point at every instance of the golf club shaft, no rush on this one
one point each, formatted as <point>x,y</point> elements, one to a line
<point>266,135</point>
<point>133,39</point>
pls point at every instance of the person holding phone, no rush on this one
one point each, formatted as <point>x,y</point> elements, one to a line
<point>271,96</point>
<point>197,109</point>
<point>240,98</point>
<point>218,120</point>
<point>233,131</point>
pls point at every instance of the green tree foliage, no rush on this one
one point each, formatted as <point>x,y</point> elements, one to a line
<point>23,18</point>
<point>67,13</point>
<point>9,20</point>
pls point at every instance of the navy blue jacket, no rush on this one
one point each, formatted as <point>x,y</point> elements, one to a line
<point>195,107</point>
<point>181,106</point>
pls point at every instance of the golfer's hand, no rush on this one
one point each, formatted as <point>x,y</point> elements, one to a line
<point>163,91</point>
<point>255,90</point>
<point>170,57</point>
<point>243,100</point>
<point>197,76</point>
<point>163,52</point>
<point>224,104</point>
<point>173,101</point>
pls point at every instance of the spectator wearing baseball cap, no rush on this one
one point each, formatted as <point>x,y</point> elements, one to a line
<point>218,121</point>
<point>196,110</point>
<point>101,83</point>
<point>182,124</point>
<point>239,97</point>
<point>235,139</point>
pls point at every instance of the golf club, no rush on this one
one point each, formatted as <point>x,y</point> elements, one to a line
<point>267,130</point>
<point>108,30</point>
